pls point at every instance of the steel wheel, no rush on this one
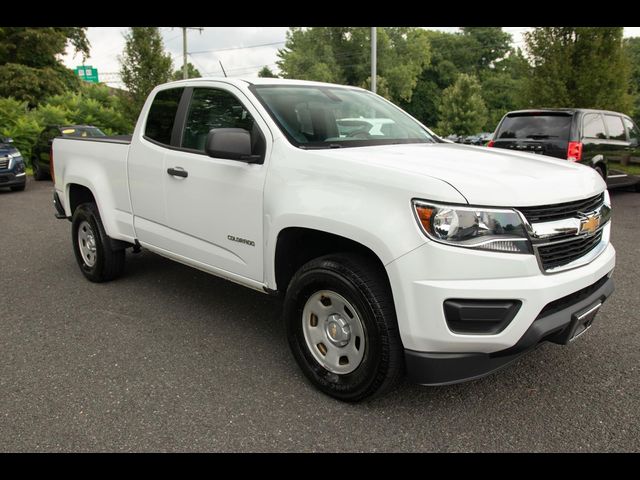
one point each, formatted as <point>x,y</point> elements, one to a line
<point>87,243</point>
<point>334,332</point>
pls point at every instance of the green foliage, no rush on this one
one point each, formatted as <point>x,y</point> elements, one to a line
<point>484,52</point>
<point>30,69</point>
<point>568,68</point>
<point>192,72</point>
<point>487,45</point>
<point>462,110</point>
<point>343,55</point>
<point>18,123</point>
<point>266,72</point>
<point>143,65</point>
<point>92,105</point>
<point>632,50</point>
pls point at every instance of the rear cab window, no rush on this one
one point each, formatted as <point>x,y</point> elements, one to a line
<point>162,114</point>
<point>535,126</point>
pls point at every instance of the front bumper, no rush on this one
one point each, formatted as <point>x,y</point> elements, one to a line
<point>423,279</point>
<point>10,179</point>
<point>447,368</point>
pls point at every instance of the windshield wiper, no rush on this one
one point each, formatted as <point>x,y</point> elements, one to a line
<point>541,136</point>
<point>320,147</point>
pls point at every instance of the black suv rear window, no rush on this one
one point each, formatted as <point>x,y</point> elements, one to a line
<point>536,127</point>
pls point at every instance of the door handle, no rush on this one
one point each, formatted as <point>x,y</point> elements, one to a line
<point>177,172</point>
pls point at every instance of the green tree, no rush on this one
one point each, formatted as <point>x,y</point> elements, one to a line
<point>143,65</point>
<point>343,55</point>
<point>266,72</point>
<point>504,87</point>
<point>462,110</point>
<point>192,72</point>
<point>30,68</point>
<point>568,68</point>
<point>632,49</point>
<point>484,52</point>
<point>487,44</point>
<point>92,105</point>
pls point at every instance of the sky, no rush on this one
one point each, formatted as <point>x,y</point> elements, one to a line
<point>243,51</point>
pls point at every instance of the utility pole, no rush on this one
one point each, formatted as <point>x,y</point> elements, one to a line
<point>374,59</point>
<point>184,49</point>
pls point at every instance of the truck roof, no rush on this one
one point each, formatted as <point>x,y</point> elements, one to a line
<point>243,81</point>
<point>565,110</point>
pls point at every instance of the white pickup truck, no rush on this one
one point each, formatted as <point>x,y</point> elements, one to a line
<point>396,252</point>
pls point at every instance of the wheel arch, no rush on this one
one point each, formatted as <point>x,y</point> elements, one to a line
<point>295,246</point>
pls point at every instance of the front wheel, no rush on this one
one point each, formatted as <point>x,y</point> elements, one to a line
<point>342,328</point>
<point>92,247</point>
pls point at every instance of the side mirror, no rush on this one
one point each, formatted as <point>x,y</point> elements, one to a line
<point>7,140</point>
<point>232,144</point>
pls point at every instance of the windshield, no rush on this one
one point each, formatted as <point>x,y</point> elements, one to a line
<point>535,127</point>
<point>82,132</point>
<point>326,117</point>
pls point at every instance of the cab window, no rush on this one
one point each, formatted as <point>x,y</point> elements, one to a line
<point>162,114</point>
<point>213,108</point>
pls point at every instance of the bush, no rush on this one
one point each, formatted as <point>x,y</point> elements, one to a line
<point>93,105</point>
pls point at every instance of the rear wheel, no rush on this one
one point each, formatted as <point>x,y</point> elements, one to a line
<point>342,328</point>
<point>92,247</point>
<point>38,174</point>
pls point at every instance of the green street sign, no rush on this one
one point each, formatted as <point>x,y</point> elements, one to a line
<point>87,73</point>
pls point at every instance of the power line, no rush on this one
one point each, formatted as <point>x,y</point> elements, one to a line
<point>237,48</point>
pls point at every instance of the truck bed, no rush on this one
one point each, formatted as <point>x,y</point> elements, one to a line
<point>122,139</point>
<point>99,164</point>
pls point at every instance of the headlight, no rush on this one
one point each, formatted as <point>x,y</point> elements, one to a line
<point>14,158</point>
<point>480,228</point>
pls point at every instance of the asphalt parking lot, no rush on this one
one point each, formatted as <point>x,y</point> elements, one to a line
<point>171,359</point>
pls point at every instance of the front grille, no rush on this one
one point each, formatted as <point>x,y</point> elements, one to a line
<point>571,299</point>
<point>549,213</point>
<point>561,253</point>
<point>4,162</point>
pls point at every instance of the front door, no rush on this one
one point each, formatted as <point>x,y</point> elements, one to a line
<point>214,206</point>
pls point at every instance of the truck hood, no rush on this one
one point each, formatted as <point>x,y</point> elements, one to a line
<point>484,176</point>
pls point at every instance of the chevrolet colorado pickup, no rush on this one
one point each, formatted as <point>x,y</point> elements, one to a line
<point>395,252</point>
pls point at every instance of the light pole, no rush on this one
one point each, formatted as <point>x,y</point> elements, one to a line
<point>374,59</point>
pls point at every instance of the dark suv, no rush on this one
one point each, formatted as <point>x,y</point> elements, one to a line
<point>41,152</point>
<point>606,141</point>
<point>12,168</point>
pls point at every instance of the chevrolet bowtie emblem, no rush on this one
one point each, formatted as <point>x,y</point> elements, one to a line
<point>590,224</point>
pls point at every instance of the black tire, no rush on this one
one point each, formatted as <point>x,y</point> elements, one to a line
<point>109,263</point>
<point>38,174</point>
<point>365,286</point>
<point>18,188</point>
<point>600,170</point>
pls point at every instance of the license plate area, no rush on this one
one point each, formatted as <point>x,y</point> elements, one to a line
<point>582,321</point>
